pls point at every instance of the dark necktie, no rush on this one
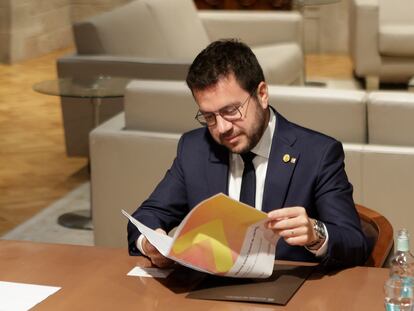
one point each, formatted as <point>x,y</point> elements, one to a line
<point>248,186</point>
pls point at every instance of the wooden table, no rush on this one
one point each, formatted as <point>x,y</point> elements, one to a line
<point>94,278</point>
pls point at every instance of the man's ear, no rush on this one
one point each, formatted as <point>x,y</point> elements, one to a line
<point>263,95</point>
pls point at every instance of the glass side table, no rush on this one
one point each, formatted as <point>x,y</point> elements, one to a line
<point>95,89</point>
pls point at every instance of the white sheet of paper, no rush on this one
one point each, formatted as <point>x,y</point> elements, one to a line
<point>161,241</point>
<point>150,272</point>
<point>21,296</point>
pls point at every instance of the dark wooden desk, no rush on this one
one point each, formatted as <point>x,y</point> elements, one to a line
<point>94,278</point>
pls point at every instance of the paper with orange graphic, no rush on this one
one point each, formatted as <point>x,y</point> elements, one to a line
<point>219,236</point>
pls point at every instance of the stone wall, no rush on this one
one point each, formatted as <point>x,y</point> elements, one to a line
<point>29,28</point>
<point>81,9</point>
<point>35,28</point>
<point>4,30</point>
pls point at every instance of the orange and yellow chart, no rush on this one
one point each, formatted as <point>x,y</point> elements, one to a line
<point>219,236</point>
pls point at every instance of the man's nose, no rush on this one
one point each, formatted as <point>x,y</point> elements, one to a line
<point>223,126</point>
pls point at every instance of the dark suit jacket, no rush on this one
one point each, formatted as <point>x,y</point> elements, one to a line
<point>316,181</point>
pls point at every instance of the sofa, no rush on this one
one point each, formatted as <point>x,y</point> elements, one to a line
<point>382,40</point>
<point>131,152</point>
<point>158,39</point>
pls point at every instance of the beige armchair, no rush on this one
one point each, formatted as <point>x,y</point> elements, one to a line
<point>382,40</point>
<point>158,39</point>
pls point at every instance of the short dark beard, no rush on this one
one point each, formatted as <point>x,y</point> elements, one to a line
<point>263,117</point>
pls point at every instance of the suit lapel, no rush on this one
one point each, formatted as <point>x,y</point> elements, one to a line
<point>217,169</point>
<point>282,161</point>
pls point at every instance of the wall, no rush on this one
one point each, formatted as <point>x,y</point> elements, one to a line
<point>35,28</point>
<point>81,9</point>
<point>29,28</point>
<point>4,30</point>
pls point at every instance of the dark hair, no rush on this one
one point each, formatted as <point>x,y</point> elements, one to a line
<point>222,58</point>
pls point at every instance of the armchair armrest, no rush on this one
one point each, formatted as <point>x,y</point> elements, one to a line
<point>126,165</point>
<point>364,23</point>
<point>254,28</point>
<point>124,66</point>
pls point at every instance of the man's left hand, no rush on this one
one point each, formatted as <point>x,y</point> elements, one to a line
<point>293,225</point>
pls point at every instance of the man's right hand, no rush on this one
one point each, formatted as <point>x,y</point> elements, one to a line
<point>154,255</point>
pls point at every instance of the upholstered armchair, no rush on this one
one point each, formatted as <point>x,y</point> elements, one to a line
<point>382,40</point>
<point>158,39</point>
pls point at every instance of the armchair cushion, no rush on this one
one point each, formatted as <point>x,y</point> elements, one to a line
<point>107,33</point>
<point>181,29</point>
<point>159,106</point>
<point>337,113</point>
<point>396,40</point>
<point>390,118</point>
<point>282,63</point>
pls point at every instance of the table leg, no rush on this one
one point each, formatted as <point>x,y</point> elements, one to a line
<point>82,219</point>
<point>96,102</point>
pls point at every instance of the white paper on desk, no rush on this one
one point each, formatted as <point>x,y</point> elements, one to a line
<point>219,236</point>
<point>150,272</point>
<point>21,296</point>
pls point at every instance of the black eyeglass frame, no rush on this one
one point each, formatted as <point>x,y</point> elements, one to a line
<point>201,117</point>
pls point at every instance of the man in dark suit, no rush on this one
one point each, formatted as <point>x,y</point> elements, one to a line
<point>296,175</point>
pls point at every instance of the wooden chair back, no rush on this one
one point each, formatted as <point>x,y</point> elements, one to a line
<point>379,233</point>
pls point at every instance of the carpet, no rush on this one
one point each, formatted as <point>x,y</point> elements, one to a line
<point>43,227</point>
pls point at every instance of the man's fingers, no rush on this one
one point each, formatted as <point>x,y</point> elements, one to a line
<point>286,212</point>
<point>288,223</point>
<point>161,261</point>
<point>148,247</point>
<point>154,255</point>
<point>292,224</point>
<point>298,241</point>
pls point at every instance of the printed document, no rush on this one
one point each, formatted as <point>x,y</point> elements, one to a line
<point>219,236</point>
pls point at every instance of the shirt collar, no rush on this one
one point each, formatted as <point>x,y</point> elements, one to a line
<point>265,143</point>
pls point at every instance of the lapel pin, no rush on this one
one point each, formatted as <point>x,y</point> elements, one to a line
<point>286,158</point>
<point>293,160</point>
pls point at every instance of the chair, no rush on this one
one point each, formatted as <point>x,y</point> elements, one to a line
<point>379,233</point>
<point>158,39</point>
<point>382,40</point>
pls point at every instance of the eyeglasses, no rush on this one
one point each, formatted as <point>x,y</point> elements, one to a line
<point>229,113</point>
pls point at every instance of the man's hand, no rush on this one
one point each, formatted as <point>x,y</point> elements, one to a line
<point>292,224</point>
<point>154,255</point>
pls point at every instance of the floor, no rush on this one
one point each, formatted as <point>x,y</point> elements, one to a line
<point>34,169</point>
<point>44,226</point>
